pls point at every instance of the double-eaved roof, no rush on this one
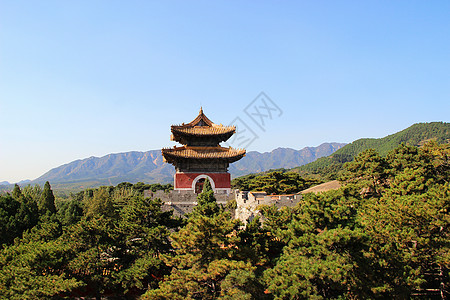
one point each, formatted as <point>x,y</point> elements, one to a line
<point>200,139</point>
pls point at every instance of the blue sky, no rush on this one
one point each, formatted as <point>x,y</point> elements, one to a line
<point>89,78</point>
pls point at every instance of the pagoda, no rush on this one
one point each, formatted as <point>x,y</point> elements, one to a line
<point>201,155</point>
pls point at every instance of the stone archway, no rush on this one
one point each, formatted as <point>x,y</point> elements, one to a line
<point>200,179</point>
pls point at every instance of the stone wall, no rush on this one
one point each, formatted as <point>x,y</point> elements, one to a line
<point>248,202</point>
<point>182,202</point>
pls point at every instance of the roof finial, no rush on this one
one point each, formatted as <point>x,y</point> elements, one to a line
<point>201,110</point>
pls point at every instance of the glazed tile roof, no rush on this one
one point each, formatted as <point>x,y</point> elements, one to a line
<point>201,139</point>
<point>204,152</point>
<point>204,130</point>
<point>201,127</point>
<point>201,119</point>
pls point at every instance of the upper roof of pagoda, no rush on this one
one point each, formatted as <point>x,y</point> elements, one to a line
<point>201,128</point>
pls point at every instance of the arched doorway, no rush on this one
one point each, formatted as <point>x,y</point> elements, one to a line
<point>199,185</point>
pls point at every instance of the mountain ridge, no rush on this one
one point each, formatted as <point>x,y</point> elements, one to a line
<point>148,166</point>
<point>328,167</point>
<point>325,160</point>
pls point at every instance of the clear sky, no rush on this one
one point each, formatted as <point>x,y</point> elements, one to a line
<point>89,78</point>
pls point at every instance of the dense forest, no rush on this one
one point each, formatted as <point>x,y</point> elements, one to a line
<point>278,182</point>
<point>331,167</point>
<point>383,235</point>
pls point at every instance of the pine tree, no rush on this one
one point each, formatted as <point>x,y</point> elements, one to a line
<point>16,193</point>
<point>47,201</point>
<point>207,204</point>
<point>35,266</point>
<point>100,203</point>
<point>205,265</point>
<point>322,255</point>
<point>369,171</point>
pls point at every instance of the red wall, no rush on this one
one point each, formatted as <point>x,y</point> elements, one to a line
<point>184,180</point>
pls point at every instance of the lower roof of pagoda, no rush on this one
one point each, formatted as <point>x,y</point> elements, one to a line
<point>191,152</point>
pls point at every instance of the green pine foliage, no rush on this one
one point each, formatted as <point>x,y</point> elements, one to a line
<point>377,237</point>
<point>16,216</point>
<point>46,203</point>
<point>18,212</point>
<point>205,264</point>
<point>207,205</point>
<point>103,241</point>
<point>274,182</point>
<point>384,234</point>
<point>34,268</point>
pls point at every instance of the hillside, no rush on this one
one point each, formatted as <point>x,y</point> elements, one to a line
<point>149,167</point>
<point>417,134</point>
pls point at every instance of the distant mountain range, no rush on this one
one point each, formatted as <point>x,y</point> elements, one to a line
<point>325,160</point>
<point>287,158</point>
<point>149,167</point>
<point>22,182</point>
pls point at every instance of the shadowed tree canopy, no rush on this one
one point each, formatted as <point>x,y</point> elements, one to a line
<point>276,182</point>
